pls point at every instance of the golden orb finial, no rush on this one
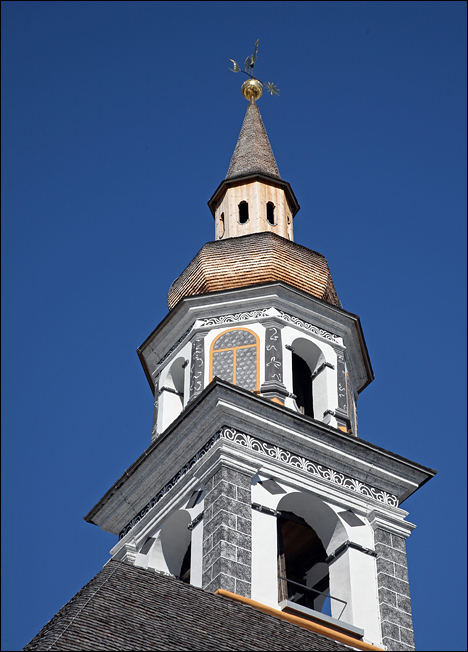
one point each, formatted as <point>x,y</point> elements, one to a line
<point>252,88</point>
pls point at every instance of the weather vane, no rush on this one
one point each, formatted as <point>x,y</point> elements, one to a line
<point>253,87</point>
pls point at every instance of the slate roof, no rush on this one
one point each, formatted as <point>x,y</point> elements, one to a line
<point>253,259</point>
<point>128,608</point>
<point>253,153</point>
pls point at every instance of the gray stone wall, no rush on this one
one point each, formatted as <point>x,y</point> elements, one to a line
<point>227,532</point>
<point>394,594</point>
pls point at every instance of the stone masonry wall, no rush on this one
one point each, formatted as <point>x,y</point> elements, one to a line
<point>394,594</point>
<point>227,532</point>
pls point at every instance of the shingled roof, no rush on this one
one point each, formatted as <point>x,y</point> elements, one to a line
<point>253,153</point>
<point>128,608</point>
<point>253,259</point>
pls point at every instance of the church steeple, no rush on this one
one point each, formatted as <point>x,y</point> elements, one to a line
<point>256,485</point>
<point>253,153</point>
<point>253,198</point>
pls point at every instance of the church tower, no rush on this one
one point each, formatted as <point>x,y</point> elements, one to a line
<point>256,485</point>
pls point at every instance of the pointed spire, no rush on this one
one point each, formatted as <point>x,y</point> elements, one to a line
<point>253,153</point>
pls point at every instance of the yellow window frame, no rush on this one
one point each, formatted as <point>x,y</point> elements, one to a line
<point>234,350</point>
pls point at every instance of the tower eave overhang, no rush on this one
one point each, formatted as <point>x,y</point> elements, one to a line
<point>250,178</point>
<point>182,317</point>
<point>222,404</point>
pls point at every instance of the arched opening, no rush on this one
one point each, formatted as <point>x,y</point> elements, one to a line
<point>271,213</point>
<point>171,392</point>
<point>221,226</point>
<point>303,576</point>
<point>175,544</point>
<point>308,529</point>
<point>243,212</point>
<point>306,356</point>
<point>302,385</point>
<point>169,548</point>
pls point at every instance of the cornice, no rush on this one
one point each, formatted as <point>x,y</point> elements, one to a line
<point>341,455</point>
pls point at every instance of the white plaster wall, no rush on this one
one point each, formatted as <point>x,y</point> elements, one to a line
<point>171,405</point>
<point>264,559</point>
<point>196,560</point>
<point>340,587</point>
<point>155,557</point>
<point>364,594</point>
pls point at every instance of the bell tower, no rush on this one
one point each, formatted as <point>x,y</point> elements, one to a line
<point>255,484</point>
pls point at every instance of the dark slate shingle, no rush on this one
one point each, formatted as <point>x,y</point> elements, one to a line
<point>128,608</point>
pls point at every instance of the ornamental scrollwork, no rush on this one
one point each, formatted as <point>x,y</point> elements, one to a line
<point>197,368</point>
<point>234,318</point>
<point>271,451</point>
<point>307,326</point>
<point>273,354</point>
<point>304,464</point>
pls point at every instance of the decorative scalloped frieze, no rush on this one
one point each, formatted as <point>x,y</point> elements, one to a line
<point>282,455</point>
<point>234,318</point>
<point>273,452</point>
<point>307,326</point>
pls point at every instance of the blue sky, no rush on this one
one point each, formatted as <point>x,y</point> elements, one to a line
<point>118,123</point>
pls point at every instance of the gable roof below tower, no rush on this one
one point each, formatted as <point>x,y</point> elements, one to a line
<point>128,608</point>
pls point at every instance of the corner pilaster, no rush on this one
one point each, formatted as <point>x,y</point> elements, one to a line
<point>197,367</point>
<point>227,532</point>
<point>393,584</point>
<point>273,387</point>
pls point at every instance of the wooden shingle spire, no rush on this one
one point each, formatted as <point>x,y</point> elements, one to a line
<point>253,153</point>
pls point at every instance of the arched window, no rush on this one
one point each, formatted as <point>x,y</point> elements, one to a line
<point>243,212</point>
<point>234,358</point>
<point>271,213</point>
<point>221,226</point>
